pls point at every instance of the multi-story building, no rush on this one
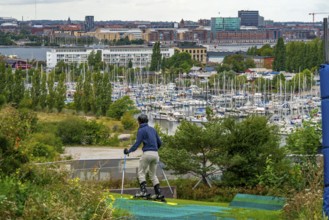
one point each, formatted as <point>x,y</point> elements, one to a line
<point>249,18</point>
<point>225,24</point>
<point>246,36</point>
<point>117,33</point>
<point>89,23</point>
<point>160,34</point>
<point>139,55</point>
<point>68,55</point>
<point>198,53</point>
<point>199,35</point>
<point>151,35</point>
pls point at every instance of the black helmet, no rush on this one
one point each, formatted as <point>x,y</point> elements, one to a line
<point>142,118</point>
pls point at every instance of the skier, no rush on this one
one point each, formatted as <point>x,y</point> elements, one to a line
<point>150,158</point>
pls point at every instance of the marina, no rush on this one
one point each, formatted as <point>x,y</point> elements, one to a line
<point>173,105</point>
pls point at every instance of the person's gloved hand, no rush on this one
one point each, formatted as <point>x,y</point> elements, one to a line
<point>125,151</point>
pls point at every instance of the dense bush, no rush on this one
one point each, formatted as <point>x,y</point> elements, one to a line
<point>80,131</point>
<point>15,126</point>
<point>49,194</point>
<point>26,102</point>
<point>128,121</point>
<point>71,130</point>
<point>50,139</point>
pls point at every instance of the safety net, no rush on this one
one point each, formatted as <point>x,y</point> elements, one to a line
<point>147,210</point>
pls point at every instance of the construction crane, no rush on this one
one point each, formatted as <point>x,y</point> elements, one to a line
<point>317,13</point>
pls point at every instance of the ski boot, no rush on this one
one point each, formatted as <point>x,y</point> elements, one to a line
<point>143,192</point>
<point>157,195</point>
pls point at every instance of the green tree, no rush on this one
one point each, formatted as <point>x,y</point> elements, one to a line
<point>156,57</point>
<point>106,93</point>
<point>98,60</point>
<point>238,63</point>
<point>247,146</point>
<point>2,78</point>
<point>130,64</point>
<point>43,91</point>
<point>120,106</point>
<point>36,89</point>
<point>9,85</point>
<point>266,50</point>
<point>18,87</point>
<point>91,58</point>
<point>194,149</point>
<point>51,91</point>
<point>98,90</point>
<point>279,56</point>
<point>180,62</point>
<point>78,95</point>
<point>88,94</point>
<point>306,140</point>
<point>60,93</point>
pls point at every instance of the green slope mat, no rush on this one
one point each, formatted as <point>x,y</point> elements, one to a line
<point>145,210</point>
<point>258,202</point>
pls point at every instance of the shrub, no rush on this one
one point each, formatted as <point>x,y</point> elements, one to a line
<point>128,121</point>
<point>49,139</point>
<point>307,203</point>
<point>71,130</point>
<point>79,131</point>
<point>95,133</point>
<point>15,126</point>
<point>26,102</point>
<point>40,152</point>
<point>47,194</point>
<point>47,127</point>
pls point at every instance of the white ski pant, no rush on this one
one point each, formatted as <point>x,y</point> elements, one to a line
<point>148,163</point>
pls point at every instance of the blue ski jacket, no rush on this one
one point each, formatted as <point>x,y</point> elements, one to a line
<point>149,137</point>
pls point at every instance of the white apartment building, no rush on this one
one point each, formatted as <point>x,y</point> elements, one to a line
<point>139,55</point>
<point>68,55</point>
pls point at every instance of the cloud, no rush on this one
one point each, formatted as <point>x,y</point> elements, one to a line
<point>32,2</point>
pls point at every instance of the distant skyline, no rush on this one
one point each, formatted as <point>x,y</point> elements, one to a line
<point>161,10</point>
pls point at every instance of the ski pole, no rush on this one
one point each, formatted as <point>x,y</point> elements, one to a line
<point>123,173</point>
<point>166,178</point>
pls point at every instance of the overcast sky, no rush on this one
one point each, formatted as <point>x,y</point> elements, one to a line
<point>161,10</point>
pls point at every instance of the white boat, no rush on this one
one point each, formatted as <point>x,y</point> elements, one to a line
<point>163,115</point>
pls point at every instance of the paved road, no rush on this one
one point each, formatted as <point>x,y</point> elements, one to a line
<point>98,152</point>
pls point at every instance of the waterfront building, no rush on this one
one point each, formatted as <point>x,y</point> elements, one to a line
<point>199,35</point>
<point>164,35</point>
<point>246,36</point>
<point>140,56</point>
<point>249,18</point>
<point>225,24</point>
<point>198,53</point>
<point>117,33</point>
